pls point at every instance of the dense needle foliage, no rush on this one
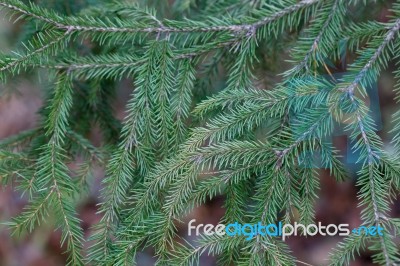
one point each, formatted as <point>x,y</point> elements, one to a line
<point>186,138</point>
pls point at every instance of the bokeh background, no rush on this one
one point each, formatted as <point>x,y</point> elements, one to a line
<point>21,98</point>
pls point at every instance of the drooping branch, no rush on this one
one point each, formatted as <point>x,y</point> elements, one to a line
<point>371,154</point>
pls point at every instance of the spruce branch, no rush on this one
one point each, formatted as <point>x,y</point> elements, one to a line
<point>62,23</point>
<point>389,37</point>
<point>35,52</point>
<point>52,174</point>
<point>117,67</point>
<point>369,142</point>
<point>333,10</point>
<point>199,123</point>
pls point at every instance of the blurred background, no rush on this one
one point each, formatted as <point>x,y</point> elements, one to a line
<point>21,98</point>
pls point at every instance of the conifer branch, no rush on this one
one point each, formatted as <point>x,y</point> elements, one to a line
<point>371,154</point>
<point>60,23</point>
<point>201,122</point>
<point>36,52</point>
<point>24,60</point>
<point>389,37</point>
<point>317,40</point>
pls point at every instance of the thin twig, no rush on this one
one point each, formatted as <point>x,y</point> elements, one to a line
<point>35,52</point>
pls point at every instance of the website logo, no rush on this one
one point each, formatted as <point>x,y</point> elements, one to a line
<point>280,230</point>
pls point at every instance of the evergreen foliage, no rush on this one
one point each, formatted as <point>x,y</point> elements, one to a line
<point>184,140</point>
